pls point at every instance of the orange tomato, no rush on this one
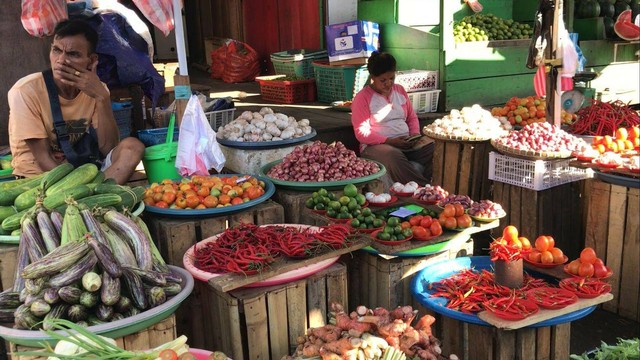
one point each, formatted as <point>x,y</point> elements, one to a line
<point>558,256</point>
<point>210,201</point>
<point>599,270</point>
<point>200,207</point>
<point>238,200</point>
<point>546,257</point>
<point>459,209</point>
<point>252,192</point>
<point>585,269</point>
<point>148,201</point>
<point>192,201</point>
<point>621,134</point>
<point>405,224</point>
<point>169,197</point>
<point>161,204</point>
<point>464,221</point>
<point>449,210</point>
<point>450,223</point>
<point>509,233</point>
<point>634,132</point>
<point>542,243</point>
<point>574,266</point>
<point>526,244</point>
<point>224,199</point>
<point>534,256</point>
<point>157,196</point>
<point>552,241</point>
<point>203,191</point>
<point>588,255</point>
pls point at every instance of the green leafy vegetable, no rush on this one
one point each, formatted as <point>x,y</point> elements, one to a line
<point>624,349</point>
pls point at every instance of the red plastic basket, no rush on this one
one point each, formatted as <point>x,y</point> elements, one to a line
<point>287,92</point>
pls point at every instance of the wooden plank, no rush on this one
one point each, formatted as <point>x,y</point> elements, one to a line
<point>384,284</point>
<point>365,278</point>
<point>452,335</point>
<point>269,212</point>
<point>543,343</point>
<point>214,319</point>
<point>480,342</point>
<point>629,282</point>
<point>255,313</point>
<point>525,344</point>
<point>162,332</point>
<point>297,310</point>
<point>316,300</point>
<point>373,277</point>
<point>598,224</point>
<point>211,226</point>
<point>8,259</point>
<point>516,194</point>
<point>337,282</point>
<point>560,340</point>
<point>278,323</point>
<point>542,314</point>
<point>180,237</point>
<point>501,196</point>
<point>228,282</point>
<point>451,161</point>
<point>438,162</point>
<point>235,335</point>
<point>137,341</point>
<point>614,241</point>
<point>466,168</point>
<point>505,345</point>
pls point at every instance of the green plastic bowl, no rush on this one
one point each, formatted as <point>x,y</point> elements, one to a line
<point>313,186</point>
<point>114,329</point>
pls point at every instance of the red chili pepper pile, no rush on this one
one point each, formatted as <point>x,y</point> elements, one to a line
<point>249,248</point>
<point>551,298</point>
<point>604,118</point>
<point>511,307</point>
<point>500,250</point>
<point>585,287</point>
<point>468,289</point>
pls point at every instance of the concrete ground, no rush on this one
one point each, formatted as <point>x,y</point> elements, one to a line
<point>332,125</point>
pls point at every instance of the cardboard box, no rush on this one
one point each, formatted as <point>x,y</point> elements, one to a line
<point>351,40</point>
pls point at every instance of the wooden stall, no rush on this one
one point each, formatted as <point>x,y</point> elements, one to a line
<point>8,258</point>
<point>462,168</point>
<point>613,231</point>
<point>264,322</point>
<point>154,335</point>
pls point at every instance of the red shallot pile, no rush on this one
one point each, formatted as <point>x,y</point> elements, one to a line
<point>541,137</point>
<point>368,333</point>
<point>322,162</point>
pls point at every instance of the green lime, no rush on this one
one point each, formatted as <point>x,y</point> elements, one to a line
<point>383,236</point>
<point>407,232</point>
<point>393,221</point>
<point>388,229</point>
<point>393,237</point>
<point>344,200</point>
<point>325,200</point>
<point>397,230</point>
<point>353,204</point>
<point>360,218</point>
<point>363,226</point>
<point>355,223</point>
<point>344,209</point>
<point>317,199</point>
<point>314,194</point>
<point>366,211</point>
<point>361,199</point>
<point>377,223</point>
<point>356,212</point>
<point>319,206</point>
<point>341,215</point>
<point>350,190</point>
<point>369,219</point>
<point>309,203</point>
<point>335,205</point>
<point>323,192</point>
<point>331,213</point>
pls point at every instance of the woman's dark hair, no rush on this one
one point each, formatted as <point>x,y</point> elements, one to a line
<point>77,27</point>
<point>380,63</point>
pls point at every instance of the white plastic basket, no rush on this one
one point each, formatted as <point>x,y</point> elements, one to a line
<point>417,80</point>
<point>424,101</point>
<point>534,174</point>
<point>220,118</point>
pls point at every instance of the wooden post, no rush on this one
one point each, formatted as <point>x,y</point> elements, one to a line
<point>182,91</point>
<point>553,80</point>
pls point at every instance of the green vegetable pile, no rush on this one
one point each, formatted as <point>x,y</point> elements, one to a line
<point>624,349</point>
<point>489,27</point>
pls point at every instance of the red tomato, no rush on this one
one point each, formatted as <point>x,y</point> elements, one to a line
<point>168,354</point>
<point>585,269</point>
<point>436,228</point>
<point>449,210</point>
<point>420,232</point>
<point>426,221</point>
<point>450,223</point>
<point>415,220</point>
<point>599,270</point>
<point>464,221</point>
<point>588,255</point>
<point>459,209</point>
<point>598,262</point>
<point>161,204</point>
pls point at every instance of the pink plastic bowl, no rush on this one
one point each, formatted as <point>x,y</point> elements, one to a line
<point>200,354</point>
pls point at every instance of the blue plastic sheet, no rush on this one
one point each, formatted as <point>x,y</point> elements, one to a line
<point>581,59</point>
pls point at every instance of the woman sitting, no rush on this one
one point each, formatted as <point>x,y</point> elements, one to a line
<point>387,127</point>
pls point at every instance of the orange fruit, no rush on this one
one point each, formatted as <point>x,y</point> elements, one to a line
<point>210,201</point>
<point>224,199</point>
<point>192,201</point>
<point>449,210</point>
<point>459,209</point>
<point>588,255</point>
<point>621,134</point>
<point>574,266</point>
<point>236,201</point>
<point>526,244</point>
<point>510,233</point>
<point>546,257</point>
<point>585,269</point>
<point>542,243</point>
<point>558,256</point>
<point>534,256</point>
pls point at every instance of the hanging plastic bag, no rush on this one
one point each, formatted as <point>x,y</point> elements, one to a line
<point>40,17</point>
<point>198,149</point>
<point>241,63</point>
<point>159,12</point>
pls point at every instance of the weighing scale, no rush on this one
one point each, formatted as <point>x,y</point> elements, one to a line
<point>574,100</point>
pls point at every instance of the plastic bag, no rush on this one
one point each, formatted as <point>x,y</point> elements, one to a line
<point>218,58</point>
<point>159,12</point>
<point>198,149</point>
<point>40,17</point>
<point>241,63</point>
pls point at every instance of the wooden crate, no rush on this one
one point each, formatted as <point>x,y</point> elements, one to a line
<point>379,280</point>
<point>612,229</point>
<point>154,335</point>
<point>462,168</point>
<point>470,341</point>
<point>263,323</point>
<point>8,258</point>
<point>559,212</point>
<point>174,235</point>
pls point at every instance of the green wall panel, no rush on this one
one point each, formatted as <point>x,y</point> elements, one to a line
<point>400,36</point>
<point>500,8</point>
<point>487,91</point>
<point>380,11</point>
<point>477,62</point>
<point>600,52</point>
<point>421,59</point>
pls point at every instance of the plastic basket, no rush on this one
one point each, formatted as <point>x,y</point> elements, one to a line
<point>152,137</point>
<point>297,62</point>
<point>417,80</point>
<point>338,83</point>
<point>286,92</point>
<point>122,114</point>
<point>534,174</point>
<point>220,118</point>
<point>424,101</point>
